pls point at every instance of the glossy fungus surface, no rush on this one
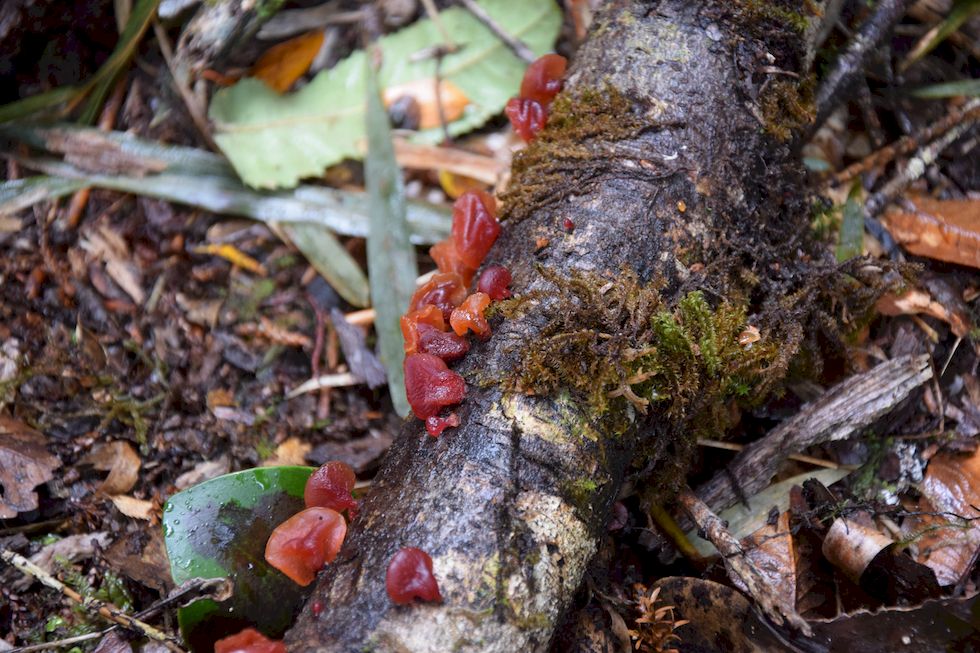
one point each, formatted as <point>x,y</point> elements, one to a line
<point>444,344</point>
<point>526,116</point>
<point>330,486</point>
<point>469,316</point>
<point>248,641</point>
<point>475,226</point>
<point>543,78</point>
<point>428,316</point>
<point>568,224</point>
<point>301,545</point>
<point>448,260</point>
<point>494,282</point>
<point>410,577</point>
<point>430,385</point>
<point>444,290</point>
<point>435,425</point>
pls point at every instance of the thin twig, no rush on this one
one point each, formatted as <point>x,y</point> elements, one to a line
<point>516,46</point>
<point>908,144</point>
<point>738,565</point>
<point>433,13</point>
<point>107,610</point>
<point>180,81</point>
<point>851,63</point>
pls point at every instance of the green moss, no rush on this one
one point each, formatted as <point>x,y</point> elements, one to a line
<point>561,154</point>
<point>787,106</point>
<point>580,492</point>
<point>774,11</point>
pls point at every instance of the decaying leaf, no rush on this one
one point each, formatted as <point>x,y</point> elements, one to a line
<point>137,508</point>
<point>772,552</point>
<point>851,546</point>
<point>141,556</point>
<point>917,301</point>
<point>203,471</point>
<point>946,230</point>
<point>946,544</point>
<point>291,452</point>
<point>120,460</point>
<point>282,64</point>
<point>66,550</point>
<point>24,464</point>
<point>422,92</point>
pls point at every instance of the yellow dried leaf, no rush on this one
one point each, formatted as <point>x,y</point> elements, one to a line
<point>423,92</point>
<point>281,65</point>
<point>233,255</point>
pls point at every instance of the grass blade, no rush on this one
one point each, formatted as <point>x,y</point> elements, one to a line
<point>391,257</point>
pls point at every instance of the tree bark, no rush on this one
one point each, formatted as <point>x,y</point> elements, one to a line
<point>680,172</point>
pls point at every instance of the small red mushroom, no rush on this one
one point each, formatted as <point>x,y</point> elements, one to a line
<point>301,545</point>
<point>429,315</point>
<point>494,281</point>
<point>444,290</point>
<point>475,226</point>
<point>444,344</point>
<point>248,641</point>
<point>526,116</point>
<point>469,315</point>
<point>543,78</point>
<point>330,486</point>
<point>448,260</point>
<point>410,577</point>
<point>435,425</point>
<point>430,385</point>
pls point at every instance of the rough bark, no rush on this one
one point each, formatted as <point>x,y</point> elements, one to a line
<point>682,174</point>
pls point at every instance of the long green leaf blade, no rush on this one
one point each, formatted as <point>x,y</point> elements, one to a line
<point>331,260</point>
<point>391,257</point>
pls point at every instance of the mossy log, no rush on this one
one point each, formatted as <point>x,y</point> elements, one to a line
<point>660,211</point>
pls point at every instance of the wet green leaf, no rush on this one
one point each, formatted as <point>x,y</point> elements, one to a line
<point>219,529</point>
<point>964,87</point>
<point>275,140</point>
<point>391,257</point>
<point>851,241</point>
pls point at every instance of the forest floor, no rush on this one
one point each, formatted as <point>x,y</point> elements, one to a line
<point>147,346</point>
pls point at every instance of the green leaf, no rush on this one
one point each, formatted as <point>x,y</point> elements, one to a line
<point>219,529</point>
<point>391,257</point>
<point>964,87</point>
<point>274,140</point>
<point>851,241</point>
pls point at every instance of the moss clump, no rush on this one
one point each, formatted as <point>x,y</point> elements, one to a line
<point>787,106</point>
<point>615,343</point>
<point>562,157</point>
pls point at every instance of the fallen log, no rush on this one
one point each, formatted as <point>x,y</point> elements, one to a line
<point>658,216</point>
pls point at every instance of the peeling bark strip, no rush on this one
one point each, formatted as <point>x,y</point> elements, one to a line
<point>671,158</point>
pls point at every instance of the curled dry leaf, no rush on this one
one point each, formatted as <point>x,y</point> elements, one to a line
<point>851,546</point>
<point>948,545</point>
<point>203,471</point>
<point>946,230</point>
<point>120,460</point>
<point>282,64</point>
<point>137,508</point>
<point>291,452</point>
<point>772,552</point>
<point>423,93</point>
<point>24,464</point>
<point>917,301</point>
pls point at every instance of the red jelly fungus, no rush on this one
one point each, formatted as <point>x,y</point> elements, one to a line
<point>430,316</point>
<point>410,577</point>
<point>444,344</point>
<point>248,641</point>
<point>448,260</point>
<point>444,290</point>
<point>469,315</point>
<point>568,224</point>
<point>430,385</point>
<point>435,425</point>
<point>330,486</point>
<point>526,116</point>
<point>301,545</point>
<point>494,281</point>
<point>475,226</point>
<point>543,78</point>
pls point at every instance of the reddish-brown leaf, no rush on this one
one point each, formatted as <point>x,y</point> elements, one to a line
<point>281,65</point>
<point>947,230</point>
<point>24,464</point>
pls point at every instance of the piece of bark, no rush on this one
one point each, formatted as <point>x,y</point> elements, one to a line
<point>841,413</point>
<point>683,165</point>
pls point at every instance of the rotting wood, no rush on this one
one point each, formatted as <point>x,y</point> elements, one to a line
<point>841,413</point>
<point>670,152</point>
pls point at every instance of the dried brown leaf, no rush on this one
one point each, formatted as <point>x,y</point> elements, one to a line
<point>120,460</point>
<point>946,230</point>
<point>24,464</point>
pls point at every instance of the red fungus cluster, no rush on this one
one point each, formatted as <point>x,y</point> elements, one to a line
<point>248,640</point>
<point>441,312</point>
<point>410,577</point>
<point>542,82</point>
<point>301,545</point>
